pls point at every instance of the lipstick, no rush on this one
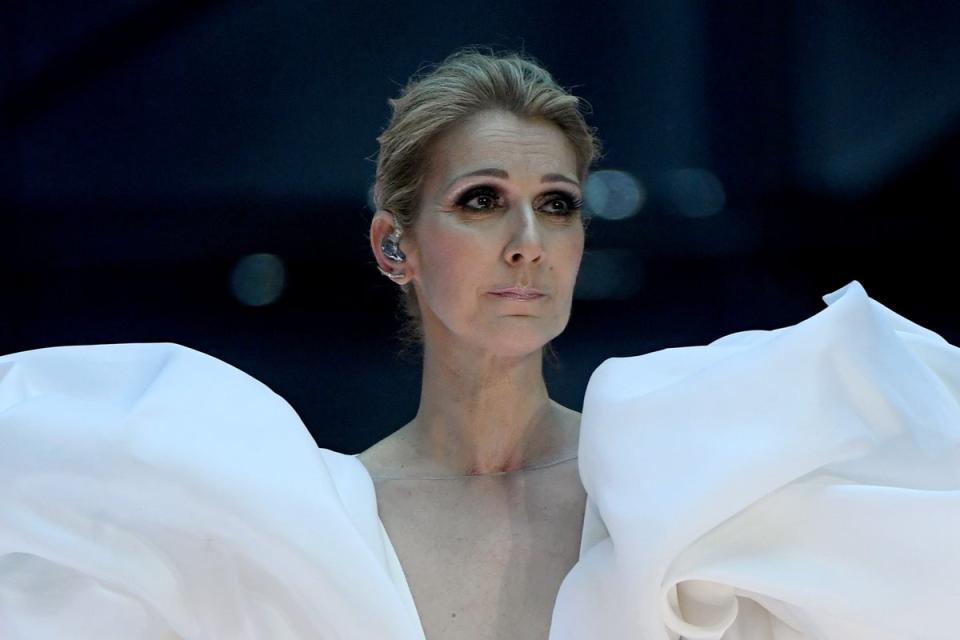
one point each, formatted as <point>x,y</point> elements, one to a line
<point>518,293</point>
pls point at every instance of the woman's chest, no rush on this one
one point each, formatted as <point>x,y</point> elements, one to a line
<point>485,556</point>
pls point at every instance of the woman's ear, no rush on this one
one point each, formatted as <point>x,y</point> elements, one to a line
<point>386,238</point>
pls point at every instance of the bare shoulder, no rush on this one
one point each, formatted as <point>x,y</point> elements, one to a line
<point>390,456</point>
<point>569,417</point>
<point>568,421</point>
<point>402,453</point>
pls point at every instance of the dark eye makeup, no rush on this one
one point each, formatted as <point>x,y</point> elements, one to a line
<point>484,198</point>
<point>570,204</point>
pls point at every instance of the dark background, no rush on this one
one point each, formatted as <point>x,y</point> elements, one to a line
<point>785,148</point>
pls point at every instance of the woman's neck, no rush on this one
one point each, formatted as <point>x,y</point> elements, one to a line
<point>482,414</point>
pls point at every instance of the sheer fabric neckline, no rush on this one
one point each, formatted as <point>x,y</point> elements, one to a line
<point>496,474</point>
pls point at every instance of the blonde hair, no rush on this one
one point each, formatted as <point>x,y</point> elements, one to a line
<point>439,97</point>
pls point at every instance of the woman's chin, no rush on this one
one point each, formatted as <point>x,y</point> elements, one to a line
<point>523,339</point>
<point>506,336</point>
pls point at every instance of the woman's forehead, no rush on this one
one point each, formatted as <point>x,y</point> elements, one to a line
<point>498,143</point>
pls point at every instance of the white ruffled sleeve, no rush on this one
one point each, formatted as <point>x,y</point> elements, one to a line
<point>151,491</point>
<point>795,484</point>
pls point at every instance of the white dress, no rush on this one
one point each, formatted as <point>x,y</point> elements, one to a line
<point>796,484</point>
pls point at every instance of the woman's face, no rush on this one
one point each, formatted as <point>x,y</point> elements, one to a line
<point>497,243</point>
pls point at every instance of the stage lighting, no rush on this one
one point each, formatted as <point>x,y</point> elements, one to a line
<point>613,194</point>
<point>258,279</point>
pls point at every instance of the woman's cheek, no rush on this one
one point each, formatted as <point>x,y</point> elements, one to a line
<point>451,266</point>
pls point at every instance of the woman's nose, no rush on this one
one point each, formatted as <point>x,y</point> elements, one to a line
<point>526,243</point>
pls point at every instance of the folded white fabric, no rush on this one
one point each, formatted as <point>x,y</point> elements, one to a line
<point>797,484</point>
<point>151,491</point>
<point>802,483</point>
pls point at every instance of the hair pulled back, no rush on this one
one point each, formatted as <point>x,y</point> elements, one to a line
<point>439,97</point>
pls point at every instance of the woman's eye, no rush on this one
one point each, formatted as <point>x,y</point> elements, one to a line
<point>484,199</point>
<point>561,204</point>
<point>481,199</point>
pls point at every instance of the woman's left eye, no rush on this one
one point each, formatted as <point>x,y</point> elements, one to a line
<point>562,204</point>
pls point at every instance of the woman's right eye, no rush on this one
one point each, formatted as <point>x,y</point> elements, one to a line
<point>480,199</point>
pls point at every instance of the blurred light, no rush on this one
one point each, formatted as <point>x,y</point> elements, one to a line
<point>609,274</point>
<point>696,193</point>
<point>258,279</point>
<point>614,195</point>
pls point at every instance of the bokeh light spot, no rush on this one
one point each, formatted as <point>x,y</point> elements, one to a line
<point>613,194</point>
<point>258,279</point>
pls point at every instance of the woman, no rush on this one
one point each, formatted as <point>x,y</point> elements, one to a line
<point>791,484</point>
<point>479,190</point>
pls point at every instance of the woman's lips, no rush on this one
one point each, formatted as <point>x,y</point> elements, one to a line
<point>518,293</point>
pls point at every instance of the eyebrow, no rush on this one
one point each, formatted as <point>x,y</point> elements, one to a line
<point>500,173</point>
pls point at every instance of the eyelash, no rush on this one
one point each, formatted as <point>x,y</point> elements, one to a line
<point>573,204</point>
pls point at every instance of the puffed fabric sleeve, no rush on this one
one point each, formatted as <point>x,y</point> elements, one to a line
<point>151,491</point>
<point>795,484</point>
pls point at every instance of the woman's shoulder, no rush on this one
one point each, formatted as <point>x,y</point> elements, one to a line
<point>393,456</point>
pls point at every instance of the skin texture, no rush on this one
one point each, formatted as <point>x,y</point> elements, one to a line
<point>480,493</point>
<point>521,238</point>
